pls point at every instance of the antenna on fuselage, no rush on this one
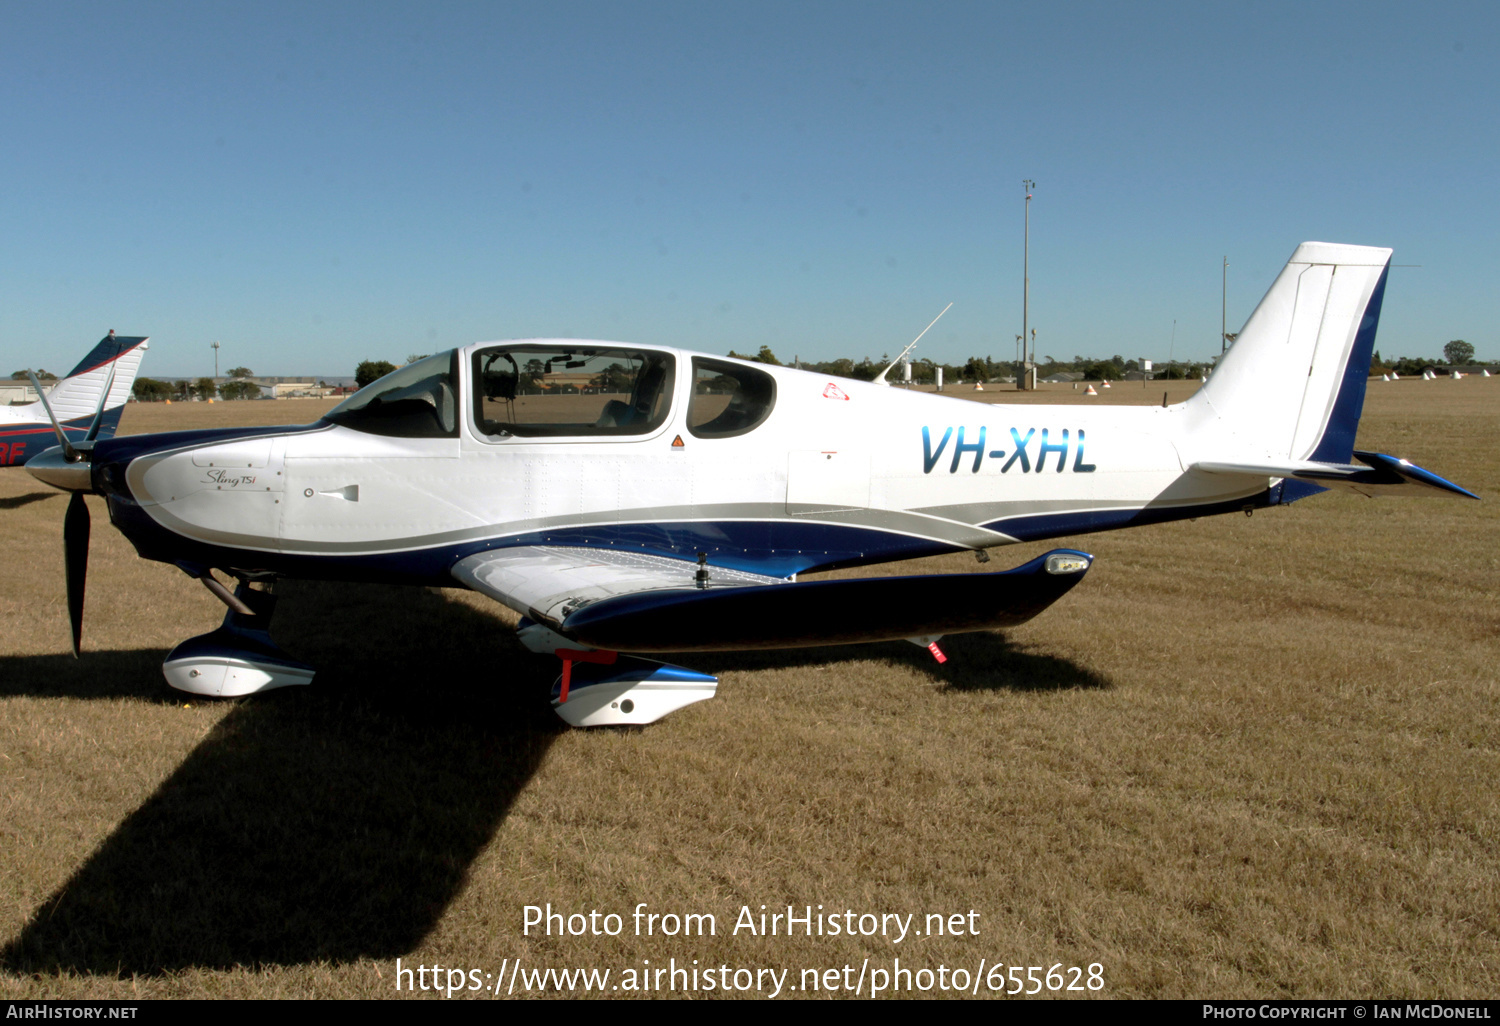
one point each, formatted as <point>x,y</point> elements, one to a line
<point>880,378</point>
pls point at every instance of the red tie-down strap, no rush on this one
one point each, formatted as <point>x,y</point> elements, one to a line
<point>569,656</point>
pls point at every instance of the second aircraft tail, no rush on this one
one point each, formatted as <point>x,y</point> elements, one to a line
<point>26,430</point>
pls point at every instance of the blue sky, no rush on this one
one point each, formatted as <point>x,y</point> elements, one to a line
<point>314,184</point>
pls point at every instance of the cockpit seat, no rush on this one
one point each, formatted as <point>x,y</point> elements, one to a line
<point>614,414</point>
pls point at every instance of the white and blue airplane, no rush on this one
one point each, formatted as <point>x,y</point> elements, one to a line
<point>630,500</point>
<point>108,370</point>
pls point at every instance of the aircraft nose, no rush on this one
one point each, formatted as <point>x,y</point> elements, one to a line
<point>52,467</point>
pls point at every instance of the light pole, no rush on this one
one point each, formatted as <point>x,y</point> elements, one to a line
<point>215,347</point>
<point>1224,309</point>
<point>1026,279</point>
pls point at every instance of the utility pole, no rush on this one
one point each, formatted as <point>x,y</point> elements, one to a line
<point>1224,310</point>
<point>215,347</point>
<point>1026,283</point>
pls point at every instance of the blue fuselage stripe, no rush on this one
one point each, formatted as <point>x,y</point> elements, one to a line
<point>777,548</point>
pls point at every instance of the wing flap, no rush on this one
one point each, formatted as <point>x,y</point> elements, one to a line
<point>548,582</point>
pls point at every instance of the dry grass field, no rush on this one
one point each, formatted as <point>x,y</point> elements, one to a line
<point>1245,758</point>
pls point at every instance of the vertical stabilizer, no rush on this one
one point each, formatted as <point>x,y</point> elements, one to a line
<point>1293,385</point>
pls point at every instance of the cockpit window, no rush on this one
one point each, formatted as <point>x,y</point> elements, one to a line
<point>555,390</point>
<point>728,399</point>
<point>415,401</point>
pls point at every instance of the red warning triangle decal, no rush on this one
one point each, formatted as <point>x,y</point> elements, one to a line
<point>677,442</point>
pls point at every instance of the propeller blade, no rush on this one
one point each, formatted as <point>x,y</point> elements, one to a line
<point>109,383</point>
<point>76,562</point>
<point>62,436</point>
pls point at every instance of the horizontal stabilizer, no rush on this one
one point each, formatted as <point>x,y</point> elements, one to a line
<point>1375,474</point>
<point>826,612</point>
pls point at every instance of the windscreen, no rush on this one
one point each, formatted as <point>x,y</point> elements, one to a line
<point>415,401</point>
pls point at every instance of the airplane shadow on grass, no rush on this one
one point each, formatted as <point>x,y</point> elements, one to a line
<point>17,501</point>
<point>982,661</point>
<point>332,822</point>
<point>339,821</point>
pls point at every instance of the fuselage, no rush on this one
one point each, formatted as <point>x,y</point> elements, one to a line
<point>670,452</point>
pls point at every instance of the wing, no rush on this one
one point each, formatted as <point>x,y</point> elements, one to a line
<point>630,602</point>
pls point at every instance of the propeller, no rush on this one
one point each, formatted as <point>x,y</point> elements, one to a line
<point>75,475</point>
<point>69,453</point>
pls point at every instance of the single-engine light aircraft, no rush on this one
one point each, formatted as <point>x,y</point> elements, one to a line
<point>107,372</point>
<point>630,500</point>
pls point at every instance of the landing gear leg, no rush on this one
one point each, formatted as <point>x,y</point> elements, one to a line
<point>239,658</point>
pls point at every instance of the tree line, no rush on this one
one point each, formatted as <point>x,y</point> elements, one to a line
<point>982,368</point>
<point>150,390</point>
<point>1457,353</point>
<point>923,371</point>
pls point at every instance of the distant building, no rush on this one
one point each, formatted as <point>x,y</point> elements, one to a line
<point>298,390</point>
<point>14,392</point>
<point>271,386</point>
